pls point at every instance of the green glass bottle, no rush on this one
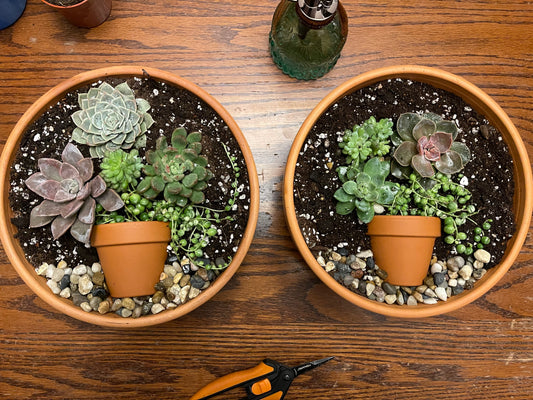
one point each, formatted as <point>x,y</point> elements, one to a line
<point>307,36</point>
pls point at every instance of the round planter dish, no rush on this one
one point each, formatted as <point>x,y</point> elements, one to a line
<point>482,103</point>
<point>16,254</point>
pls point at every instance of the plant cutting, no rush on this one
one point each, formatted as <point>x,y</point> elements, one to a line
<point>82,13</point>
<point>422,145</point>
<point>117,149</point>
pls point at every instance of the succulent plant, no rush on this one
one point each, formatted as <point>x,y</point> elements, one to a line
<point>110,119</point>
<point>70,194</point>
<point>179,171</point>
<point>367,189</point>
<point>429,140</point>
<point>371,138</point>
<point>120,170</point>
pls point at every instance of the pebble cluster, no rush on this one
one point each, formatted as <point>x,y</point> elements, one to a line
<point>86,287</point>
<point>359,273</point>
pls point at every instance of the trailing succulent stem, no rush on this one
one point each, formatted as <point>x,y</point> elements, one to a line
<point>110,119</point>
<point>71,195</point>
<point>178,171</point>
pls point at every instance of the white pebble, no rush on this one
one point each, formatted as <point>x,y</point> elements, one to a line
<point>58,274</point>
<point>370,288</point>
<point>74,278</point>
<point>85,285</point>
<point>390,298</point>
<point>54,287</point>
<point>65,293</point>
<point>411,301</point>
<point>430,300</point>
<point>466,271</point>
<point>478,264</point>
<point>436,268</point>
<point>96,267</point>
<point>365,254</point>
<point>330,266</point>
<point>157,308</point>
<point>62,264</point>
<point>452,282</point>
<point>41,271</point>
<point>441,293</point>
<point>80,270</point>
<point>85,306</point>
<point>50,271</point>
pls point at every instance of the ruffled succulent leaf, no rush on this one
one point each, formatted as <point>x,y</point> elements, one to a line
<point>448,127</point>
<point>158,184</point>
<point>179,138</point>
<point>190,180</point>
<point>377,169</point>
<point>350,188</point>
<point>365,211</point>
<point>194,137</point>
<point>61,225</point>
<point>197,197</point>
<point>425,127</point>
<point>405,124</point>
<point>174,187</point>
<point>463,150</point>
<point>201,161</point>
<point>427,150</point>
<point>387,192</point>
<point>345,208</point>
<point>442,141</point>
<point>81,231</point>
<point>449,163</point>
<point>422,166</point>
<point>144,185</point>
<point>200,186</point>
<point>341,195</point>
<point>405,152</point>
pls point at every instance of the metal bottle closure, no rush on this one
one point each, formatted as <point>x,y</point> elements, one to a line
<point>317,13</point>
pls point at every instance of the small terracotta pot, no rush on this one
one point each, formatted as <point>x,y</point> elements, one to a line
<point>87,14</point>
<point>8,231</point>
<point>482,103</point>
<point>132,255</point>
<point>403,246</point>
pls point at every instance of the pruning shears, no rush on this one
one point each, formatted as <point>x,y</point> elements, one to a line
<point>269,380</point>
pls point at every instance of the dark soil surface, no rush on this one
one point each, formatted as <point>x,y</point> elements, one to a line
<point>171,107</point>
<point>64,3</point>
<point>489,172</point>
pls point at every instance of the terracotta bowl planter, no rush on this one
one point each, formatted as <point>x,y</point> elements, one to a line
<point>483,104</point>
<point>7,230</point>
<point>87,14</point>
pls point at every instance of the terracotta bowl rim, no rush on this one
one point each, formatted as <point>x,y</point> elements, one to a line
<point>12,247</point>
<point>454,84</point>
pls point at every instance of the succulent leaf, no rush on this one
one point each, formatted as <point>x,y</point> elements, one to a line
<point>449,163</point>
<point>422,166</point>
<point>121,169</point>
<point>61,225</point>
<point>405,124</point>
<point>111,118</point>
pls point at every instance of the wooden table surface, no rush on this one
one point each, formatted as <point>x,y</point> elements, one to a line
<point>274,306</point>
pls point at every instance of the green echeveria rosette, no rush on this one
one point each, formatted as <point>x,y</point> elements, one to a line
<point>121,170</point>
<point>178,171</point>
<point>110,119</point>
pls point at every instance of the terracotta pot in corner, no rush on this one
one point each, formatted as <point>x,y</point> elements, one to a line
<point>482,103</point>
<point>403,246</point>
<point>132,255</point>
<point>87,14</point>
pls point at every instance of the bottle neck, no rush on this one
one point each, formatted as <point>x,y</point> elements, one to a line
<point>316,13</point>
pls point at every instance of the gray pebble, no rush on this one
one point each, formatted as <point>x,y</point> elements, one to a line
<point>388,288</point>
<point>125,313</point>
<point>436,268</point>
<point>455,263</point>
<point>440,279</point>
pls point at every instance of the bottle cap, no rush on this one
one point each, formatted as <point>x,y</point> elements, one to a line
<point>317,13</point>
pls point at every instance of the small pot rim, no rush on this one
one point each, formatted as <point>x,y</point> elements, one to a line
<point>16,254</point>
<point>483,103</point>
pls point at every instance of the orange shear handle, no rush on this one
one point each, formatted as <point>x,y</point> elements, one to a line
<point>234,379</point>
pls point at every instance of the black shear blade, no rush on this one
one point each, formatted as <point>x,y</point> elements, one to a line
<point>300,369</point>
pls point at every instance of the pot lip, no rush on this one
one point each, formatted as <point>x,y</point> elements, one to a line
<point>492,111</point>
<point>404,226</point>
<point>15,253</point>
<point>65,7</point>
<point>131,232</point>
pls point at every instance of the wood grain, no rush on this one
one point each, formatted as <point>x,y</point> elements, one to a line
<point>274,307</point>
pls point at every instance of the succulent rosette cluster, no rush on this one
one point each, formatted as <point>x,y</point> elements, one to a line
<point>429,141</point>
<point>70,194</point>
<point>111,118</point>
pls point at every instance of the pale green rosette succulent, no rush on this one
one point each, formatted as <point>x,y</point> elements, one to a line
<point>111,118</point>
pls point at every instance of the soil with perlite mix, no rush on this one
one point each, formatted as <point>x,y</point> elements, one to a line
<point>171,107</point>
<point>489,173</point>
